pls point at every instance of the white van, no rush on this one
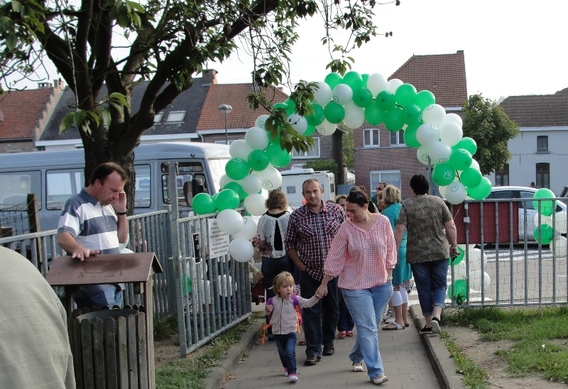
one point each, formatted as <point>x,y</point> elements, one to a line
<point>54,176</point>
<point>293,179</point>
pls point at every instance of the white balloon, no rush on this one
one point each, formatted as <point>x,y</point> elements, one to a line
<point>440,152</point>
<point>393,85</point>
<point>255,204</point>
<point>322,95</point>
<point>434,114</point>
<point>427,134</point>
<point>474,164</point>
<point>342,94</point>
<point>453,118</point>
<point>230,221</point>
<point>442,190</point>
<point>377,83</point>
<point>354,116</point>
<point>270,178</point>
<point>224,180</point>
<point>326,128</point>
<point>240,149</point>
<point>543,219</point>
<point>560,222</point>
<point>451,133</point>
<point>474,259</point>
<point>559,245</point>
<point>456,193</point>
<point>298,123</point>
<point>251,184</point>
<point>249,229</point>
<point>422,154</point>
<point>475,280</point>
<point>261,120</point>
<point>226,286</point>
<point>257,138</point>
<point>460,271</point>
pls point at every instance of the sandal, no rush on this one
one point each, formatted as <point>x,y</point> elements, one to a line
<point>393,326</point>
<point>302,343</point>
<point>349,334</point>
<point>341,334</point>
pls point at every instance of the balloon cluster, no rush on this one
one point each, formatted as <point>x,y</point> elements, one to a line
<point>550,225</point>
<point>465,277</point>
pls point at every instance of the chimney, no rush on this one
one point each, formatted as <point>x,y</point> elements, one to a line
<point>209,76</point>
<point>42,85</point>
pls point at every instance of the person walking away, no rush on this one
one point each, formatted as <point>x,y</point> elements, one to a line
<point>94,222</point>
<point>345,322</point>
<point>401,274</point>
<point>284,320</point>
<point>311,229</point>
<point>362,257</point>
<point>430,227</point>
<point>271,229</point>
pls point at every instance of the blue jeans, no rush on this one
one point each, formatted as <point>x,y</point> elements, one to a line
<point>109,294</point>
<point>366,307</point>
<point>319,321</point>
<point>431,280</point>
<point>286,345</point>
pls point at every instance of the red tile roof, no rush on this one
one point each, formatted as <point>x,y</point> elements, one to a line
<point>234,95</point>
<point>22,112</point>
<point>442,74</point>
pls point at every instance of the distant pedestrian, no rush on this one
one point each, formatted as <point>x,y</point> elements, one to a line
<point>430,227</point>
<point>345,323</point>
<point>533,185</point>
<point>284,320</point>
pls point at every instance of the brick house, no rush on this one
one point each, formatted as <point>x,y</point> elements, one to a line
<point>381,155</point>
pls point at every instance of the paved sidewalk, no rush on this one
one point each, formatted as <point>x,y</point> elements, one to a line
<point>411,361</point>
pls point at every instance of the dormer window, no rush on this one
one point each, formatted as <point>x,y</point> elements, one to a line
<point>158,118</point>
<point>176,116</point>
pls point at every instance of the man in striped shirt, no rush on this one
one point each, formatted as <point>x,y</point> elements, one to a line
<point>94,222</point>
<point>311,229</point>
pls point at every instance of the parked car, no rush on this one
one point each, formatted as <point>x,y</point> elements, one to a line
<point>523,192</point>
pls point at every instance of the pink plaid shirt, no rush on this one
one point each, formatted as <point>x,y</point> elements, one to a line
<point>361,258</point>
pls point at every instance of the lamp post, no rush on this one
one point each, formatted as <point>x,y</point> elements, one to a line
<point>226,109</point>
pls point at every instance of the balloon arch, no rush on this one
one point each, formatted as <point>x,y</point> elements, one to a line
<point>349,101</point>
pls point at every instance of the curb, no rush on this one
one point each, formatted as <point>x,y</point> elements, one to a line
<point>217,377</point>
<point>438,354</point>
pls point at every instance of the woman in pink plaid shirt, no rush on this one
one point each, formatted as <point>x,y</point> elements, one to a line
<point>362,256</point>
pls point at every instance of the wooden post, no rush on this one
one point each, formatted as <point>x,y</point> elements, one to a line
<point>33,219</point>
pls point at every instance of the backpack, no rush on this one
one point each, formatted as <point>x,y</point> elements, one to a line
<point>296,304</point>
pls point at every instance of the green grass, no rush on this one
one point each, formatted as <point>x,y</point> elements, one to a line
<point>474,377</point>
<point>539,336</point>
<point>191,372</point>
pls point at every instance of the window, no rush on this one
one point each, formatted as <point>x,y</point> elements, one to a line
<point>16,187</point>
<point>397,138</point>
<point>190,181</point>
<point>158,118</point>
<point>502,176</point>
<point>542,143</point>
<point>142,194</point>
<point>391,177</point>
<point>371,137</point>
<point>176,116</point>
<point>62,184</point>
<point>543,175</point>
<point>313,152</point>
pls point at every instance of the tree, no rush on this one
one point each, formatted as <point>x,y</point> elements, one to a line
<point>491,128</point>
<point>116,43</point>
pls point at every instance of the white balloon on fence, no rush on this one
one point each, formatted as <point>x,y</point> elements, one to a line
<point>251,184</point>
<point>240,149</point>
<point>229,221</point>
<point>241,250</point>
<point>475,280</point>
<point>560,222</point>
<point>460,271</point>
<point>257,138</point>
<point>255,204</point>
<point>559,247</point>
<point>440,152</point>
<point>249,229</point>
<point>474,259</point>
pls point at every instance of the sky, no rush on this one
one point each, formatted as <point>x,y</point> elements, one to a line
<point>511,47</point>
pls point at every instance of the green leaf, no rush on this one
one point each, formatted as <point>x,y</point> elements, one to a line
<point>67,122</point>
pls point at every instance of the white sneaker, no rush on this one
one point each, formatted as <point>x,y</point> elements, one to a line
<point>293,378</point>
<point>357,367</point>
<point>380,379</point>
<point>285,372</point>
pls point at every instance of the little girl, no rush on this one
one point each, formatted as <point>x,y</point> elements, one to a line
<point>284,320</point>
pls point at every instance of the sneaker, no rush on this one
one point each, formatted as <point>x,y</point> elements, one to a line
<point>312,360</point>
<point>380,379</point>
<point>285,372</point>
<point>293,378</point>
<point>435,325</point>
<point>328,350</point>
<point>357,367</point>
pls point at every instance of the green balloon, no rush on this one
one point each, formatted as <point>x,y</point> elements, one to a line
<point>460,159</point>
<point>457,291</point>
<point>258,160</point>
<point>544,234</point>
<point>203,204</point>
<point>410,136</point>
<point>385,100</point>
<point>466,143</point>
<point>227,199</point>
<point>310,131</point>
<point>277,156</point>
<point>471,177</point>
<point>547,207</point>
<point>412,114</point>
<point>334,112</point>
<point>316,118</point>
<point>374,115</point>
<point>353,79</point>
<point>405,94</point>
<point>459,258</point>
<point>237,188</point>
<point>394,119</point>
<point>443,174</point>
<point>362,97</point>
<point>333,79</point>
<point>237,168</point>
<point>283,106</point>
<point>291,106</point>
<point>365,78</point>
<point>480,191</point>
<point>424,98</point>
